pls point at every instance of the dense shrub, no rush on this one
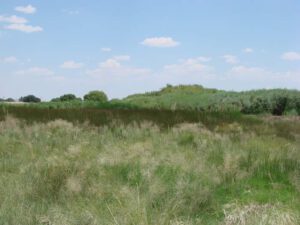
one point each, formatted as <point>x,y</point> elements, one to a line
<point>30,98</point>
<point>256,106</point>
<point>96,96</point>
<point>279,104</point>
<point>66,98</point>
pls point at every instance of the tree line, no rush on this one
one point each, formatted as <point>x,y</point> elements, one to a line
<point>97,96</point>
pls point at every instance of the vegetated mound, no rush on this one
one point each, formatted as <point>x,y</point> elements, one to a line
<point>196,97</point>
<point>179,89</point>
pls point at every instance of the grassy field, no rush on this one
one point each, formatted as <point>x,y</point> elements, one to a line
<point>147,167</point>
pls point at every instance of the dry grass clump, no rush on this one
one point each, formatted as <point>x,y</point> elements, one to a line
<point>9,123</point>
<point>294,178</point>
<point>259,214</point>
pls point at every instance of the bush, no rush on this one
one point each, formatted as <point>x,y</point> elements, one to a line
<point>256,106</point>
<point>66,98</point>
<point>279,105</point>
<point>297,105</point>
<point>96,96</point>
<point>30,98</point>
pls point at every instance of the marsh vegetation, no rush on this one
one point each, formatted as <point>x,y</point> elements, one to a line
<point>214,170</point>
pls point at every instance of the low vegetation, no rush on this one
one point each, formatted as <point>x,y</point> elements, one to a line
<point>232,170</point>
<point>196,97</point>
<point>184,155</point>
<point>186,97</point>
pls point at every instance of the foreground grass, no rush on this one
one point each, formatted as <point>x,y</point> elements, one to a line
<point>58,173</point>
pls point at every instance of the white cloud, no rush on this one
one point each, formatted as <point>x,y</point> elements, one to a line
<point>113,67</point>
<point>186,71</point>
<point>114,62</point>
<point>71,65</point>
<point>291,56</point>
<point>203,59</point>
<point>110,63</point>
<point>122,58</point>
<point>24,28</point>
<point>247,70</point>
<point>106,49</point>
<point>187,66</point>
<point>29,9</point>
<point>10,59</point>
<point>248,50</point>
<point>162,42</point>
<point>245,78</point>
<point>35,71</point>
<point>13,19</point>
<point>130,79</point>
<point>230,59</point>
<point>19,23</point>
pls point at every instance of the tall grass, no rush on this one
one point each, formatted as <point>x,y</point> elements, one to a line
<point>97,117</point>
<point>58,172</point>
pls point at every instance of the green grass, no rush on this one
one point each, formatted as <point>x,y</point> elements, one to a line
<point>217,170</point>
<point>195,97</point>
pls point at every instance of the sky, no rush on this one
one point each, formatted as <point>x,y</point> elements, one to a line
<point>50,48</point>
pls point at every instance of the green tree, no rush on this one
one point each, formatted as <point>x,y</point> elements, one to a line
<point>30,98</point>
<point>66,98</point>
<point>97,96</point>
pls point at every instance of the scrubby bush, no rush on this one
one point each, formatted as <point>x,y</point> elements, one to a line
<point>96,96</point>
<point>30,98</point>
<point>66,98</point>
<point>256,106</point>
<point>279,104</point>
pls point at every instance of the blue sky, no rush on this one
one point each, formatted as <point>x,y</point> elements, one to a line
<point>49,48</point>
